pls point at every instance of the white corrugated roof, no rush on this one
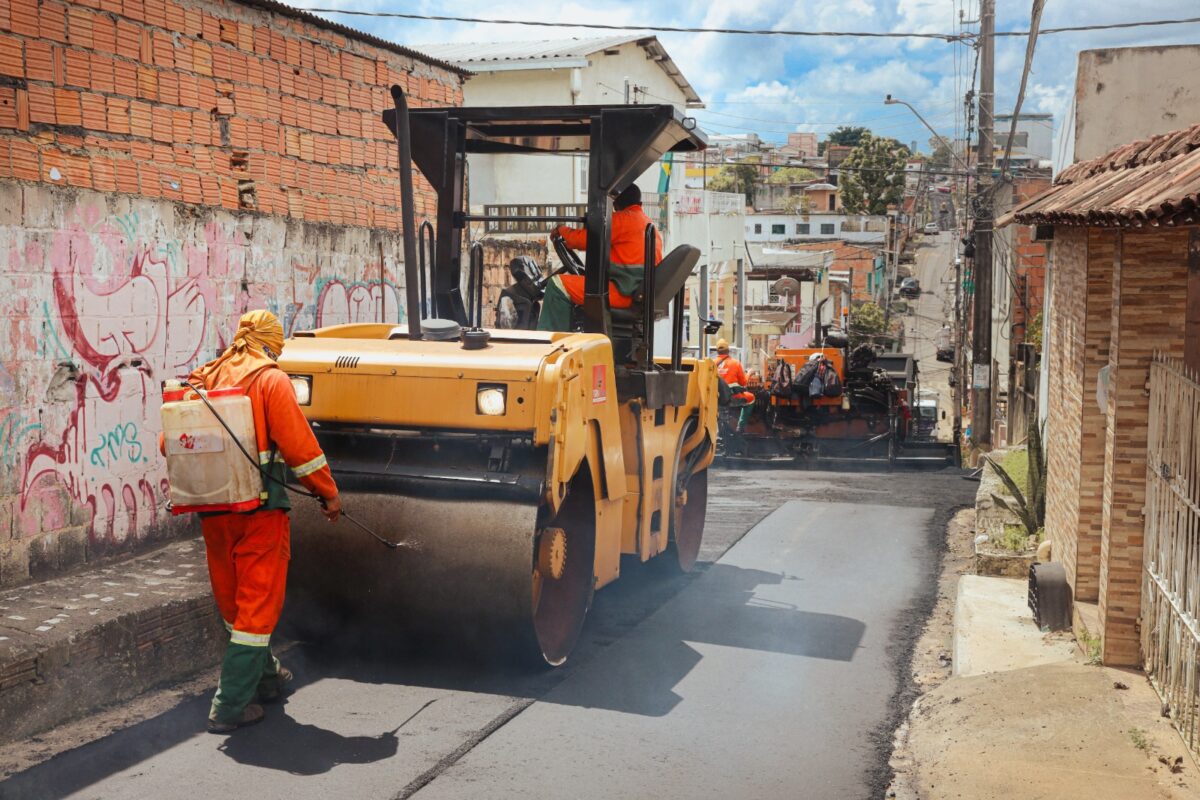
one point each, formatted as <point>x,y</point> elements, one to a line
<point>551,54</point>
<point>550,49</point>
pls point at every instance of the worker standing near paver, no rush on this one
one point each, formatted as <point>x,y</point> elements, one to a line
<point>731,371</point>
<point>627,251</point>
<point>248,552</point>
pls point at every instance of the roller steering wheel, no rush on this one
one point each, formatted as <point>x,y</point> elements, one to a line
<point>571,263</point>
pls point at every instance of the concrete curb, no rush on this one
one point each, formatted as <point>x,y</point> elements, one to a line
<point>71,645</point>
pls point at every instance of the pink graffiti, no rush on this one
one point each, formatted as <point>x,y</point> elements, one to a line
<point>353,302</point>
<point>128,322</point>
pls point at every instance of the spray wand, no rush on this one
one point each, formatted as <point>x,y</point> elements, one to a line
<point>294,489</point>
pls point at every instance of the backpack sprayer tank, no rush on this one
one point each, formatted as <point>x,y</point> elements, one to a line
<point>205,469</point>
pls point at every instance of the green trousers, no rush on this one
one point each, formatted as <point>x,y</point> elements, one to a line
<point>246,672</point>
<point>556,309</point>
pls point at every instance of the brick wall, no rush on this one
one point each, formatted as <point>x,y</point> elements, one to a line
<point>1029,263</point>
<point>210,103</point>
<point>165,167</point>
<point>1097,335</point>
<point>497,252</point>
<point>1149,309</point>
<point>1064,362</point>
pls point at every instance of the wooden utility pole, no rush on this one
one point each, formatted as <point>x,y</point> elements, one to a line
<point>981,351</point>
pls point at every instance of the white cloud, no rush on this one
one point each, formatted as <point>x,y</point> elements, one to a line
<point>776,84</point>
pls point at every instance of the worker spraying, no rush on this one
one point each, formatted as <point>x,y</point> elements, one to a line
<point>731,371</point>
<point>248,548</point>
<point>626,270</point>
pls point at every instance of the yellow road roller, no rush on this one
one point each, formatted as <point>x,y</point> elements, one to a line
<point>517,467</point>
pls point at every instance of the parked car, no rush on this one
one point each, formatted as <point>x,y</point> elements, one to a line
<point>932,229</point>
<point>910,288</point>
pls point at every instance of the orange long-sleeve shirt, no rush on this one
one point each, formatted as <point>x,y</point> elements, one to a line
<point>628,245</point>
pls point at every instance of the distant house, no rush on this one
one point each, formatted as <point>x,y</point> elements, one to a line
<point>805,196</point>
<point>779,228</point>
<point>633,69</point>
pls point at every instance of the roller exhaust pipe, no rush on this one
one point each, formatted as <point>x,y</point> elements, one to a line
<point>407,218</point>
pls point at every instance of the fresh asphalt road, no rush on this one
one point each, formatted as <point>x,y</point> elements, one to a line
<point>778,669</point>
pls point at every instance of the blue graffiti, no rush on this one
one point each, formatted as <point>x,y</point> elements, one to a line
<point>119,444</point>
<point>50,344</point>
<point>129,224</point>
<point>13,430</point>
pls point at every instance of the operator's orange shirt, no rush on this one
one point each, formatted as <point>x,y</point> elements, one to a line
<point>628,246</point>
<point>730,370</point>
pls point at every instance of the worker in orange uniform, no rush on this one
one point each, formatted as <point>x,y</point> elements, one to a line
<point>627,250</point>
<point>248,552</point>
<point>730,370</point>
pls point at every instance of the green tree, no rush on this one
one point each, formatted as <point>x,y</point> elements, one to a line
<point>866,324</point>
<point>844,135</point>
<point>942,157</point>
<point>790,175</point>
<point>873,176</point>
<point>797,204</point>
<point>740,178</point>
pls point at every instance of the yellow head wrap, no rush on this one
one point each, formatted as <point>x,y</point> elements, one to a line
<point>256,344</point>
<point>259,329</point>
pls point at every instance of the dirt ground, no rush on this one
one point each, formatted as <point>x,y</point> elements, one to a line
<point>1064,730</point>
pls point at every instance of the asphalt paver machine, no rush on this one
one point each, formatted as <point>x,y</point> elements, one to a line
<point>520,466</point>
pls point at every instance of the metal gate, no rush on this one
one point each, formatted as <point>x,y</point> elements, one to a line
<point>1171,578</point>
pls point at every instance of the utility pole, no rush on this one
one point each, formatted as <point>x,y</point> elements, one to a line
<point>956,372</point>
<point>981,351</point>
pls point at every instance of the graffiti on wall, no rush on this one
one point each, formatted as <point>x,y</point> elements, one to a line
<point>129,305</point>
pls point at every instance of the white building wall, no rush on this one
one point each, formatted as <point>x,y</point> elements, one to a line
<point>783,227</point>
<point>561,179</point>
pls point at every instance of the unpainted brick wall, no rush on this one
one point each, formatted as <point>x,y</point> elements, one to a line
<point>497,253</point>
<point>1063,359</point>
<point>1149,311</point>
<point>165,167</point>
<point>1101,253</point>
<point>213,103</point>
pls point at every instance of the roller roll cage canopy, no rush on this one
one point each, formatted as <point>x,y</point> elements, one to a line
<point>622,141</point>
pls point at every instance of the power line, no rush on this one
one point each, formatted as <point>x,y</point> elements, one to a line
<point>655,28</point>
<point>1111,26</point>
<point>946,37</point>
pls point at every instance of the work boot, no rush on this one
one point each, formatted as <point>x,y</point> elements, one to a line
<point>251,714</point>
<point>271,687</point>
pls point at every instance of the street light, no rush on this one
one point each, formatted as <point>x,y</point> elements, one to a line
<point>891,101</point>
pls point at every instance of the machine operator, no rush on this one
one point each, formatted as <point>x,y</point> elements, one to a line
<point>626,253</point>
<point>731,371</point>
<point>248,552</point>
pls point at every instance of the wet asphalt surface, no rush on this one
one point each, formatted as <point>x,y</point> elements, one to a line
<point>664,696</point>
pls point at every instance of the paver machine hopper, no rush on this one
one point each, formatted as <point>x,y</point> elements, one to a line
<point>521,465</point>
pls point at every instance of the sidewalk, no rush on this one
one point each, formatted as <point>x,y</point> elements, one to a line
<point>1023,714</point>
<point>71,645</point>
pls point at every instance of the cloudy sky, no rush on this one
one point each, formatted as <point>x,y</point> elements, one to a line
<point>771,85</point>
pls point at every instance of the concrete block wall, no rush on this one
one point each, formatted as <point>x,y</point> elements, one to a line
<point>1149,312</point>
<point>165,167</point>
<point>1064,363</point>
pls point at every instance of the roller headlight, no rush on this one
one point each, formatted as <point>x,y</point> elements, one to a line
<point>302,385</point>
<point>490,399</point>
